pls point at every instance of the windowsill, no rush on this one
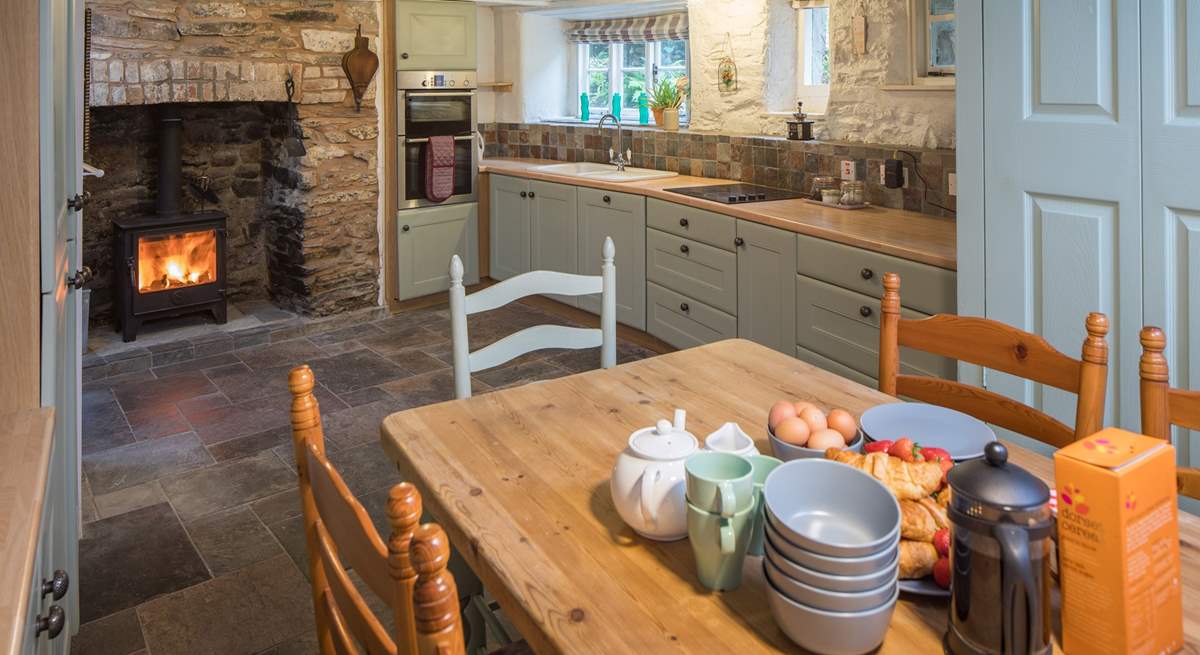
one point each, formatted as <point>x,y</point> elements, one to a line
<point>931,87</point>
<point>625,123</point>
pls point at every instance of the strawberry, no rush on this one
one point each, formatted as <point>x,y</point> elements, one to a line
<point>941,572</point>
<point>905,449</point>
<point>941,542</point>
<point>935,454</point>
<point>878,446</point>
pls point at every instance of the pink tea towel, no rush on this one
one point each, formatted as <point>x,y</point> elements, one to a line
<point>439,168</point>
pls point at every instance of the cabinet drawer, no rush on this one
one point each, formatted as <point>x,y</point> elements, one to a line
<point>610,200</point>
<point>820,361</point>
<point>704,226</point>
<point>683,322</point>
<point>928,289</point>
<point>830,322</point>
<point>693,269</point>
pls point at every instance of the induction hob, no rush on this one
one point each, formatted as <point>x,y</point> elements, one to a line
<point>731,194</point>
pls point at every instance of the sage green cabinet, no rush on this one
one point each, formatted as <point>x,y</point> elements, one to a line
<point>554,231</point>
<point>510,227</point>
<point>766,286</point>
<point>684,322</point>
<point>426,238</point>
<point>693,269</point>
<point>621,216</point>
<point>435,35</point>
<point>927,289</point>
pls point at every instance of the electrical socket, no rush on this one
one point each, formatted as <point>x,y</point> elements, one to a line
<point>952,184</point>
<point>849,170</point>
<point>882,173</point>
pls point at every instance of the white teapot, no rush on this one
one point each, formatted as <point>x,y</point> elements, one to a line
<point>648,481</point>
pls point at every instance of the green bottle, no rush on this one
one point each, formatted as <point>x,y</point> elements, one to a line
<point>643,109</point>
<point>616,108</point>
<point>585,112</point>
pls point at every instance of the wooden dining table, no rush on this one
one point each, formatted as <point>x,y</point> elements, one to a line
<point>519,479</point>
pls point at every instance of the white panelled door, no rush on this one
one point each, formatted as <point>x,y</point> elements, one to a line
<point>1170,207</point>
<point>1062,187</point>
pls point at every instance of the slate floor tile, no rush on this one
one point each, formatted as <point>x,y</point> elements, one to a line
<point>241,613</point>
<point>240,383</point>
<point>284,353</point>
<point>225,485</point>
<point>436,318</point>
<point>198,364</point>
<point>354,370</point>
<point>104,426</point>
<point>116,634</point>
<point>342,335</point>
<point>290,534</point>
<point>251,444</point>
<point>277,507</point>
<point>158,421</point>
<point>149,394</point>
<point>129,559</point>
<point>357,425</point>
<point>305,644</point>
<point>87,502</point>
<point>232,539</point>
<point>393,342</point>
<point>364,396</point>
<point>126,466</point>
<point>214,424</point>
<point>521,373</point>
<point>129,499</point>
<point>417,361</point>
<point>365,468</point>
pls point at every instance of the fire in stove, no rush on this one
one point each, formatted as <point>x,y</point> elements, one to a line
<point>172,261</point>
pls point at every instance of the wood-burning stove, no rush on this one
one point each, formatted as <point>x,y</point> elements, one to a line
<point>170,263</point>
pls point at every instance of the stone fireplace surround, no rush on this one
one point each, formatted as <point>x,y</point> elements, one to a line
<point>299,180</point>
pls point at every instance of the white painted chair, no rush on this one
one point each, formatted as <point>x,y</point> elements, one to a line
<point>538,337</point>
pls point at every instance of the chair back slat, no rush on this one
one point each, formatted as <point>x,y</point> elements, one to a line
<point>343,642</point>
<point>349,524</point>
<point>1000,347</point>
<point>1184,406</point>
<point>358,619</point>
<point>532,283</point>
<point>987,406</point>
<point>539,337</point>
<point>1163,406</point>
<point>435,599</point>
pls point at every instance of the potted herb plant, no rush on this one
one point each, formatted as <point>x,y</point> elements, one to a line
<point>667,95</point>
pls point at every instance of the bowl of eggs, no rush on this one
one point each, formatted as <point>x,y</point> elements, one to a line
<point>800,430</point>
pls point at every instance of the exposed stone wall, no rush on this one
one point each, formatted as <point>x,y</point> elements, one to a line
<point>319,199</point>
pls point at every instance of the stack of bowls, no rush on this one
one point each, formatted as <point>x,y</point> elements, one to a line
<point>831,555</point>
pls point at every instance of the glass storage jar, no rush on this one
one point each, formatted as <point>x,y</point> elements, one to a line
<point>853,192</point>
<point>822,182</point>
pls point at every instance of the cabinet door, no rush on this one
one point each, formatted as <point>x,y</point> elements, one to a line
<point>435,35</point>
<point>684,322</point>
<point>426,239</point>
<point>510,232</point>
<point>766,312</point>
<point>623,217</point>
<point>554,222</point>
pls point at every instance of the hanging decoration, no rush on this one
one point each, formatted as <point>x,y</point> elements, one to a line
<point>858,28</point>
<point>360,65</point>
<point>727,73</point>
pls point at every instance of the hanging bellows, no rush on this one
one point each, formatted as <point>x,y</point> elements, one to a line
<point>360,65</point>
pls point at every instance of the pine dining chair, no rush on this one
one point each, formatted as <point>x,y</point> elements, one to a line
<point>1163,406</point>
<point>1000,347</point>
<point>538,337</point>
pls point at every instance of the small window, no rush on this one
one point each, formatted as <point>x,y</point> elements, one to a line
<point>933,38</point>
<point>812,73</point>
<point>629,69</point>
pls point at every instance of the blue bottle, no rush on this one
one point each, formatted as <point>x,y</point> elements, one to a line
<point>643,109</point>
<point>616,108</point>
<point>585,110</point>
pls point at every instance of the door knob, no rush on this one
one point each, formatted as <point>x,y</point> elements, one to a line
<point>530,194</point>
<point>683,249</point>
<point>739,241</point>
<point>75,203</point>
<point>52,624</point>
<point>524,194</point>
<point>404,55</point>
<point>58,584</point>
<point>864,311</point>
<point>867,273</point>
<point>404,228</point>
<point>607,198</point>
<point>683,307</point>
<point>80,278</point>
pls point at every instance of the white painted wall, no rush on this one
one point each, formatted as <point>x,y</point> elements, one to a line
<point>531,51</point>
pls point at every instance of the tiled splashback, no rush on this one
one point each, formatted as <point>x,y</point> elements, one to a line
<point>770,161</point>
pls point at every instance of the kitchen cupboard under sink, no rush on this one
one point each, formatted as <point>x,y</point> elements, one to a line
<point>604,172</point>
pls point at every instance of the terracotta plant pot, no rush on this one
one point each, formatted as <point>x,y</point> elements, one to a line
<point>658,116</point>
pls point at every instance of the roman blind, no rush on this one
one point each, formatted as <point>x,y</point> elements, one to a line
<point>667,27</point>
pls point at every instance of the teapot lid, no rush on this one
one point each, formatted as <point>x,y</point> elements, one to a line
<point>991,480</point>
<point>663,442</point>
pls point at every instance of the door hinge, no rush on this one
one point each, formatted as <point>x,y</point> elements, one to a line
<point>75,203</point>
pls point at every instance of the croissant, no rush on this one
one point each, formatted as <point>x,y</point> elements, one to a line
<point>906,480</point>
<point>920,519</point>
<point>916,559</point>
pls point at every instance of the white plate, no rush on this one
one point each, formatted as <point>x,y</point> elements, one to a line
<point>924,587</point>
<point>960,435</point>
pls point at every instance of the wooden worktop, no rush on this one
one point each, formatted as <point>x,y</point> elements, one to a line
<point>25,442</point>
<point>908,235</point>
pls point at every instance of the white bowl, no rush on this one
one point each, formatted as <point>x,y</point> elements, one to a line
<point>831,601</point>
<point>843,583</point>
<point>832,565</point>
<point>831,633</point>
<point>831,509</point>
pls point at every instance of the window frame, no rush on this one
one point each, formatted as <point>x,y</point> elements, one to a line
<point>617,70</point>
<point>814,96</point>
<point>921,22</point>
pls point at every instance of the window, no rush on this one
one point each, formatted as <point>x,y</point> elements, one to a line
<point>812,72</point>
<point>629,69</point>
<point>933,39</point>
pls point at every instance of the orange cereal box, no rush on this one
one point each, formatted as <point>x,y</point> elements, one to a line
<point>1118,545</point>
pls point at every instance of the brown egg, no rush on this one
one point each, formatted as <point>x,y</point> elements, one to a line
<point>779,411</point>
<point>802,405</point>
<point>815,419</point>
<point>822,439</point>
<point>792,430</point>
<point>843,422</point>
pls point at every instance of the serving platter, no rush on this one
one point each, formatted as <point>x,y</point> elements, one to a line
<point>923,587</point>
<point>961,435</point>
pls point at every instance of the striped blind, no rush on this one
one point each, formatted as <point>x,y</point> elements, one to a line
<point>667,27</point>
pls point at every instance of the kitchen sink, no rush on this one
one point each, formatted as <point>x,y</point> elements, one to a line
<point>604,172</point>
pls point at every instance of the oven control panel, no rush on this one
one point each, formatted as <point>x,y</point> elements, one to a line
<point>439,80</point>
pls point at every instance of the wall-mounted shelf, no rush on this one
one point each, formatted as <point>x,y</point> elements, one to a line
<point>498,87</point>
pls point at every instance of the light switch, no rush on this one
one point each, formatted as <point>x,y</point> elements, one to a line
<point>952,184</point>
<point>849,172</point>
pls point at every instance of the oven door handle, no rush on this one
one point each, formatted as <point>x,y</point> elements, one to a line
<point>461,137</point>
<point>437,94</point>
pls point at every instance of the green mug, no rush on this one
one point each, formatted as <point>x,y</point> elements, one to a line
<point>719,544</point>
<point>762,465</point>
<point>721,483</point>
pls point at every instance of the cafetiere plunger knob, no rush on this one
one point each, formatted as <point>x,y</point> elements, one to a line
<point>996,453</point>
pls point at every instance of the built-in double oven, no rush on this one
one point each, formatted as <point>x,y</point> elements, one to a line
<point>436,104</point>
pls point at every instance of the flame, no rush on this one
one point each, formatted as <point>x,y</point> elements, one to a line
<point>177,260</point>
